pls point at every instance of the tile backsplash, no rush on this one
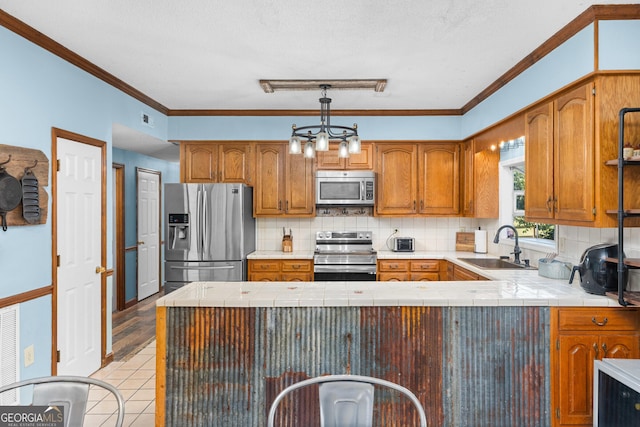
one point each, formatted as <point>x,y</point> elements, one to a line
<point>439,234</point>
<point>431,234</point>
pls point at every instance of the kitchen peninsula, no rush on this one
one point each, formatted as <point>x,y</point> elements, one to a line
<point>474,353</point>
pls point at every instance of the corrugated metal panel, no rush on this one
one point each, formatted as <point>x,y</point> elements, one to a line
<point>470,366</point>
<point>497,366</point>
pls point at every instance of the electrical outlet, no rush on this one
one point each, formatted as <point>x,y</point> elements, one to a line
<point>29,356</point>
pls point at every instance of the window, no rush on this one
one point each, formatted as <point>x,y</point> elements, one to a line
<point>531,230</point>
<point>536,236</point>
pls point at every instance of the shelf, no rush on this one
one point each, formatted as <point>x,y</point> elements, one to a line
<point>623,298</point>
<point>631,161</point>
<point>629,212</point>
<point>631,297</point>
<point>630,262</point>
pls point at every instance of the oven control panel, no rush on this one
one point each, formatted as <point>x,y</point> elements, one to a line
<point>344,235</point>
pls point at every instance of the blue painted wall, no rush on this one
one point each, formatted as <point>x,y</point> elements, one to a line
<point>41,91</point>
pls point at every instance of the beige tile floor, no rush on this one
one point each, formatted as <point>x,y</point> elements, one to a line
<point>135,378</point>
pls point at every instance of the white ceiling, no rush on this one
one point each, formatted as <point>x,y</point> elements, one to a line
<point>210,54</point>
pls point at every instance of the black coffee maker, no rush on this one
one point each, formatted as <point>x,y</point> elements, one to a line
<point>596,275</point>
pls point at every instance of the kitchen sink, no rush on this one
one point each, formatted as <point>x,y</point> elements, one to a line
<point>495,264</point>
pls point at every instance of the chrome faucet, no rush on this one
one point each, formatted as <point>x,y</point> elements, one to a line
<point>516,249</point>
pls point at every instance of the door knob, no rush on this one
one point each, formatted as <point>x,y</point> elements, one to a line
<point>100,269</point>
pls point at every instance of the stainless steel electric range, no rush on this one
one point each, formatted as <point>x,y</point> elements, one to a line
<point>344,256</point>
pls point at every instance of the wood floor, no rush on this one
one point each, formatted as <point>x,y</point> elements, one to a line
<point>134,328</point>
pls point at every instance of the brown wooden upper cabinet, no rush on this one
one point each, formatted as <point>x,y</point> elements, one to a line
<point>439,179</point>
<point>284,182</point>
<point>559,160</point>
<point>329,160</point>
<point>568,141</point>
<point>418,179</point>
<point>397,184</point>
<point>479,181</point>
<point>205,162</point>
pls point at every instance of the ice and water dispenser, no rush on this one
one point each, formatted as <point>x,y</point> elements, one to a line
<point>178,231</point>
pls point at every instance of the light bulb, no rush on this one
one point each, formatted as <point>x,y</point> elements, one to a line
<point>322,141</point>
<point>295,146</point>
<point>354,144</point>
<point>309,151</point>
<point>343,150</point>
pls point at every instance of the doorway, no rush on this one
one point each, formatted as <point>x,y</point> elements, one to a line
<point>79,251</point>
<point>118,298</point>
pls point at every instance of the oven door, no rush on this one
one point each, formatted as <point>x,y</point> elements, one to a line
<point>344,273</point>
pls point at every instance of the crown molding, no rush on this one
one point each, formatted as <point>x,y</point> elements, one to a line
<point>47,43</point>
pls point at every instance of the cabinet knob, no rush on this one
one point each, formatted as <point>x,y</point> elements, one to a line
<point>595,347</point>
<point>604,350</point>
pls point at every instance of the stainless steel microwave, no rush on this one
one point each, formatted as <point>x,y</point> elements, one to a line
<point>345,188</point>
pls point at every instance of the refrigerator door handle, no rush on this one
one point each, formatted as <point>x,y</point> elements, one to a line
<point>224,267</point>
<point>205,223</point>
<point>199,222</point>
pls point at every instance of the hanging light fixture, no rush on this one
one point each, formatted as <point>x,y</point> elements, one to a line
<point>316,137</point>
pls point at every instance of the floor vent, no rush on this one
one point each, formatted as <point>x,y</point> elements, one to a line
<point>9,351</point>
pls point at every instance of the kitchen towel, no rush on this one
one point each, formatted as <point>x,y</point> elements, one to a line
<point>480,246</point>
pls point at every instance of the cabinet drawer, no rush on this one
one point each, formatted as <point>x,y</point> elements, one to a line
<point>425,265</point>
<point>259,276</point>
<point>595,319</point>
<point>297,277</point>
<point>393,265</point>
<point>424,277</point>
<point>296,265</point>
<point>398,276</point>
<point>260,265</point>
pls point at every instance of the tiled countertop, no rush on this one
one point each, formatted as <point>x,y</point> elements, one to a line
<point>507,288</point>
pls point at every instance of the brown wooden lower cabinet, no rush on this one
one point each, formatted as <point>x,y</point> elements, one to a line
<point>580,336</point>
<point>457,273</point>
<point>291,270</point>
<point>400,270</point>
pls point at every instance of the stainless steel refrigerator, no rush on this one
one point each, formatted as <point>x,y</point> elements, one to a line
<point>209,231</point>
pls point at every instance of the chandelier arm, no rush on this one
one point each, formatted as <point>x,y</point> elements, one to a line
<point>320,134</point>
<point>299,132</point>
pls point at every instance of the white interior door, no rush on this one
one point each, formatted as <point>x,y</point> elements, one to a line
<point>148,233</point>
<point>79,244</point>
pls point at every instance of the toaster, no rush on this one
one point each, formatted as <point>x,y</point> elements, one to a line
<point>404,244</point>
